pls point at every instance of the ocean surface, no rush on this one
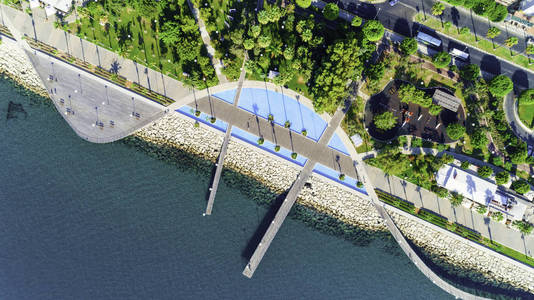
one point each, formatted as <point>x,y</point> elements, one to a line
<point>87,221</point>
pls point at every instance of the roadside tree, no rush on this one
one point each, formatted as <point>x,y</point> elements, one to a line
<point>441,60</point>
<point>510,42</point>
<point>438,8</point>
<point>470,72</point>
<point>498,13</point>
<point>521,186</point>
<point>356,21</point>
<point>502,177</point>
<point>373,30</point>
<point>304,3</point>
<point>455,131</point>
<point>485,171</point>
<point>331,11</point>
<point>500,86</point>
<point>530,49</point>
<point>524,227</point>
<point>479,139</point>
<point>493,32</point>
<point>408,46</point>
<point>456,199</point>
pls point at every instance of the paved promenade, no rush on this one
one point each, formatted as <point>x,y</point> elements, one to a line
<point>291,197</point>
<point>95,55</point>
<point>277,134</point>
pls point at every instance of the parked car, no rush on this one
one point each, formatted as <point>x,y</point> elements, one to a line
<point>393,2</point>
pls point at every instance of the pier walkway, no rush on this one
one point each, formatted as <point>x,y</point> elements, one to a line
<point>290,199</point>
<point>224,147</point>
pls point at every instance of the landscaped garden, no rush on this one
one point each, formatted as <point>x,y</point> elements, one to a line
<point>162,35</point>
<point>411,111</point>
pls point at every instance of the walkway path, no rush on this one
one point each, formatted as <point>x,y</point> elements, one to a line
<point>95,54</point>
<point>291,197</point>
<point>512,116</point>
<point>207,42</point>
<point>224,147</point>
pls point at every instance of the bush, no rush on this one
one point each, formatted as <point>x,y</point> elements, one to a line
<point>277,148</point>
<point>526,96</point>
<point>497,161</point>
<point>465,31</point>
<point>304,3</point>
<point>470,72</point>
<point>500,86</point>
<point>261,141</point>
<point>287,124</point>
<point>342,177</point>
<point>331,11</point>
<point>481,209</point>
<point>385,121</point>
<point>441,60</point>
<point>485,171</point>
<point>375,72</point>
<point>434,109</point>
<point>416,143</point>
<point>304,132</point>
<point>465,165</point>
<point>294,155</point>
<point>373,30</point>
<point>359,184</point>
<point>455,131</point>
<point>502,177</point>
<point>408,46</point>
<point>521,186</point>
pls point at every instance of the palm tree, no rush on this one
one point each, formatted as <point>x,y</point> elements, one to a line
<point>510,42</point>
<point>437,9</point>
<point>492,33</point>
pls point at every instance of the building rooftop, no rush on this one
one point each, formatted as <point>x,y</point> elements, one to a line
<point>481,191</point>
<point>446,100</point>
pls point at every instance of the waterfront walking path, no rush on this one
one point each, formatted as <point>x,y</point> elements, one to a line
<point>224,147</point>
<point>291,197</point>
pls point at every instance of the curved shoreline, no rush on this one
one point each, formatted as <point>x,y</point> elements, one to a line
<point>324,198</point>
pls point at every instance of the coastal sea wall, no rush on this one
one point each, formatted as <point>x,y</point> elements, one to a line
<point>15,65</point>
<point>323,204</point>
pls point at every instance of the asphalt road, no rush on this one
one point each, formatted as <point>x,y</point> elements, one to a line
<point>399,19</point>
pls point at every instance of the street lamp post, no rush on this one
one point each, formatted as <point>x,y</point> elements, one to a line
<point>133,107</point>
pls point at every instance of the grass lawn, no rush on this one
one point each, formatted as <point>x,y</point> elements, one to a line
<point>478,42</point>
<point>131,35</point>
<point>526,114</point>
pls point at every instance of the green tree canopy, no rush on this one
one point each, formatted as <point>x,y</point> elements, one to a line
<point>385,121</point>
<point>248,44</point>
<point>524,227</point>
<point>456,199</point>
<point>518,153</point>
<point>304,3</point>
<point>530,49</point>
<point>470,72</point>
<point>493,32</point>
<point>373,30</point>
<point>500,86</point>
<point>511,41</point>
<point>502,177</point>
<point>409,93</point>
<point>455,131</point>
<point>331,11</point>
<point>441,60</point>
<point>521,186</point>
<point>408,46</point>
<point>438,8</point>
<point>479,139</point>
<point>356,21</point>
<point>263,17</point>
<point>434,109</point>
<point>485,171</point>
<point>498,13</point>
<point>526,96</point>
<point>375,72</point>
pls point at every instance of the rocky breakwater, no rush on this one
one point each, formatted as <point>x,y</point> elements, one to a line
<point>15,64</point>
<point>460,258</point>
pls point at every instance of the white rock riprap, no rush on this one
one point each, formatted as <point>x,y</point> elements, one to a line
<point>446,251</point>
<point>15,64</point>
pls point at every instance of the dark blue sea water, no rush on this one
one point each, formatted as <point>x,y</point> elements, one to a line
<point>88,221</point>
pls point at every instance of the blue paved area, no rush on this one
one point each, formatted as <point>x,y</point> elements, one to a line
<point>334,175</point>
<point>336,144</point>
<point>204,118</point>
<point>267,146</point>
<point>263,102</point>
<point>227,96</point>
